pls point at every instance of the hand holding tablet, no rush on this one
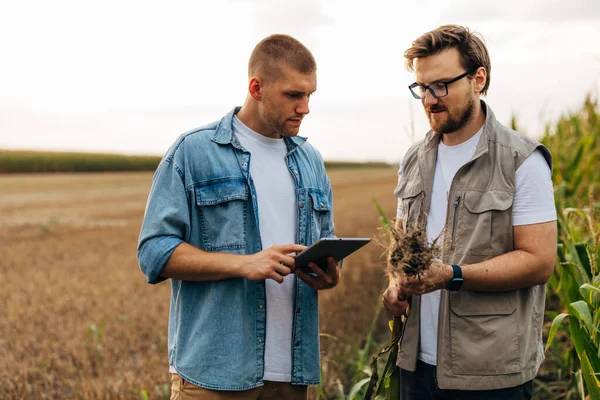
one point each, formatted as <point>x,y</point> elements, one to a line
<point>338,248</point>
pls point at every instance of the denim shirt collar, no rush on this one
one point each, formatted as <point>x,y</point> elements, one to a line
<point>224,133</point>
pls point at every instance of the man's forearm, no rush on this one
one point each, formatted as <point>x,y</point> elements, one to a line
<point>188,263</point>
<point>530,264</point>
<point>515,270</point>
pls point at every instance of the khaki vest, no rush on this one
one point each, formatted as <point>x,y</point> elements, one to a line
<point>486,340</point>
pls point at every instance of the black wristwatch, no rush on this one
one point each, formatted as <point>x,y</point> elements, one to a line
<point>455,284</point>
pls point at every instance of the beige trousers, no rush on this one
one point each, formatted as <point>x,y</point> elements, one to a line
<point>183,390</point>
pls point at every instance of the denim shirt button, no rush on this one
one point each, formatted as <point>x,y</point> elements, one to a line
<point>301,240</point>
<point>259,341</point>
<point>260,307</point>
<point>301,205</point>
<point>297,343</point>
<point>244,165</point>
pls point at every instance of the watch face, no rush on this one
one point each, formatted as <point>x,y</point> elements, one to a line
<point>455,284</point>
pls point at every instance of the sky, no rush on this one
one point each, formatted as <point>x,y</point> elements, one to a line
<point>131,76</point>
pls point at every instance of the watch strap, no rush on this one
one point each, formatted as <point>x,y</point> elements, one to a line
<point>457,271</point>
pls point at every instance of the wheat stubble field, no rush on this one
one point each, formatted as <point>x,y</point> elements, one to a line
<point>79,321</point>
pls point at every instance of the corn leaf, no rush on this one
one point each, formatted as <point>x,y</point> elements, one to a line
<point>554,328</point>
<point>581,311</point>
<point>591,379</point>
<point>584,260</point>
<point>357,388</point>
<point>385,221</point>
<point>579,384</point>
<point>588,291</point>
<point>394,390</point>
<point>582,341</point>
<point>572,210</point>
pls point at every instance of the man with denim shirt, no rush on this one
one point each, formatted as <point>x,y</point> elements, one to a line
<point>230,202</point>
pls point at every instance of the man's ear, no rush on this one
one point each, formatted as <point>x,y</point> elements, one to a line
<point>479,79</point>
<point>255,87</point>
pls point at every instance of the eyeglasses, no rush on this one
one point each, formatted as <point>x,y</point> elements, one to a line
<point>437,89</point>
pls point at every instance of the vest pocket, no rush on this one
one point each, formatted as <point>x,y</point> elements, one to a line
<point>484,333</point>
<point>483,222</point>
<point>410,193</point>
<point>222,208</point>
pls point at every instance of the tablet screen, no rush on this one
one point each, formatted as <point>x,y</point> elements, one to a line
<point>338,248</point>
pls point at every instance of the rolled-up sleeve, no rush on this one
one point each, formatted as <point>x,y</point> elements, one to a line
<point>166,221</point>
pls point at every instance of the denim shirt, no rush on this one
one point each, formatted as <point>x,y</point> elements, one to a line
<point>202,194</point>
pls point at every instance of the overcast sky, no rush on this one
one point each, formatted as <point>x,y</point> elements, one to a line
<point>131,76</point>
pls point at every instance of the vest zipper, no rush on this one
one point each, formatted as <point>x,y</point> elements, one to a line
<point>456,203</point>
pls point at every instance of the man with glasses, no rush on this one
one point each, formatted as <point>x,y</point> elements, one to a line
<point>474,329</point>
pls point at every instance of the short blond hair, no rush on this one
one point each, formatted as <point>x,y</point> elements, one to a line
<point>274,50</point>
<point>470,45</point>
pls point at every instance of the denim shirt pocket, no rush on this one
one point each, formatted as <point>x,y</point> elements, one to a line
<point>320,218</point>
<point>222,209</point>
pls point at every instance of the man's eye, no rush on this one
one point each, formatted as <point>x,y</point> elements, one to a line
<point>293,95</point>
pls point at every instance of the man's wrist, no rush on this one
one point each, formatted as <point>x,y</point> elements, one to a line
<point>239,263</point>
<point>448,274</point>
<point>456,282</point>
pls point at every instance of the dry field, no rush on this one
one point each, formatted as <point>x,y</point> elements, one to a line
<point>78,319</point>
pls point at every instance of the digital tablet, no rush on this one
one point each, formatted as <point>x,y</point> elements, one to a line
<point>337,248</point>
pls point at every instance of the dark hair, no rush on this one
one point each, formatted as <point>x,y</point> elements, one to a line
<point>470,45</point>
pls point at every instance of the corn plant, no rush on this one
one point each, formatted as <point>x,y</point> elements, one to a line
<point>574,142</point>
<point>388,386</point>
<point>576,282</point>
<point>359,370</point>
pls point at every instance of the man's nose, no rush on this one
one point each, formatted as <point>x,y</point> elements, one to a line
<point>303,108</point>
<point>429,98</point>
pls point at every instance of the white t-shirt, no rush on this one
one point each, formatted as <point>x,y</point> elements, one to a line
<point>278,219</point>
<point>533,203</point>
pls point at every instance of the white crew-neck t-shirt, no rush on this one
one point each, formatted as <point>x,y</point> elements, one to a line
<point>533,203</point>
<point>278,219</point>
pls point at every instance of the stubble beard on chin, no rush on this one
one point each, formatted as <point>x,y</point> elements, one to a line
<point>453,124</point>
<point>272,124</point>
<point>277,128</point>
<point>283,129</point>
<point>278,125</point>
<point>290,132</point>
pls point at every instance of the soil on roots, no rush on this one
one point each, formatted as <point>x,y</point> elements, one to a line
<point>409,253</point>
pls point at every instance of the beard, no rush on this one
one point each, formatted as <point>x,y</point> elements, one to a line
<point>275,122</point>
<point>455,120</point>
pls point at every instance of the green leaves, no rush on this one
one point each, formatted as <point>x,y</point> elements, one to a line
<point>383,219</point>
<point>590,376</point>
<point>589,292</point>
<point>573,142</point>
<point>576,282</point>
<point>554,328</point>
<point>388,387</point>
<point>581,311</point>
